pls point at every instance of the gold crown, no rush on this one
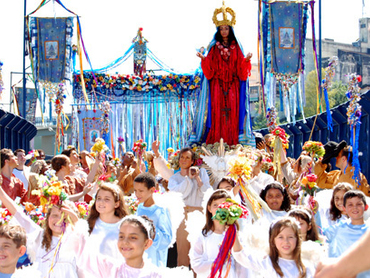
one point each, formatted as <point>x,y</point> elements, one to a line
<point>224,10</point>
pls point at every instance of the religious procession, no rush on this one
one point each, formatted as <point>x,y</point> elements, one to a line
<point>166,176</point>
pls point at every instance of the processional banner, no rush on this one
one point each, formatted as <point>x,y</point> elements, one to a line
<point>282,43</point>
<point>90,128</point>
<point>51,51</point>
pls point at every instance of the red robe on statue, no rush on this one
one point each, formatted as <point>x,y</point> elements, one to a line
<point>224,68</point>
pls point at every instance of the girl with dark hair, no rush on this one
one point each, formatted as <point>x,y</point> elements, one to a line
<point>308,229</point>
<point>284,259</point>
<point>278,200</point>
<point>135,236</point>
<point>227,70</point>
<point>48,247</point>
<point>205,248</point>
<point>231,187</point>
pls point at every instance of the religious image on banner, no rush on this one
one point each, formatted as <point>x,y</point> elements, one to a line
<point>90,127</point>
<point>51,50</point>
<point>286,37</point>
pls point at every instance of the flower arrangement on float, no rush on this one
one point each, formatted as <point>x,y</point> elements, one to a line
<point>147,82</point>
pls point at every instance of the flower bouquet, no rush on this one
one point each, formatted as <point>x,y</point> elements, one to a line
<point>35,213</point>
<point>174,160</point>
<point>32,155</point>
<point>99,146</point>
<point>308,184</point>
<point>280,135</point>
<point>83,209</point>
<point>139,147</point>
<point>280,143</point>
<point>230,211</point>
<point>314,149</point>
<point>121,145</point>
<point>132,203</point>
<point>52,194</point>
<point>240,170</point>
<point>5,216</point>
<point>227,213</point>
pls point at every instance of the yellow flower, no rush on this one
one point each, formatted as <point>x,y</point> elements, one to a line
<point>240,168</point>
<point>170,150</point>
<point>53,190</point>
<point>43,201</point>
<point>99,145</point>
<point>304,181</point>
<point>81,210</point>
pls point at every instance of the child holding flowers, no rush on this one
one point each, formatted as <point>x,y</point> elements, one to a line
<point>205,248</point>
<point>49,246</point>
<point>284,259</point>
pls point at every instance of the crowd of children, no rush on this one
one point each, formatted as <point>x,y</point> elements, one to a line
<point>90,215</point>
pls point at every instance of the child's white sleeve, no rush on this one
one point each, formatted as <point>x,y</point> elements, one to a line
<point>34,232</point>
<point>198,260</point>
<point>248,260</point>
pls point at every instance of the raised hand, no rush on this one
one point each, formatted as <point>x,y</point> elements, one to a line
<point>155,147</point>
<point>200,55</point>
<point>249,56</point>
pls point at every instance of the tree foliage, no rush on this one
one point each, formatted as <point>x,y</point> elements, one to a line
<point>336,94</point>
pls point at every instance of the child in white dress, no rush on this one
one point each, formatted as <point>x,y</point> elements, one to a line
<point>278,200</point>
<point>205,248</point>
<point>54,254</point>
<point>284,258</point>
<point>136,234</point>
<point>104,221</point>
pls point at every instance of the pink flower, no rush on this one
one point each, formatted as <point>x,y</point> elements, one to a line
<point>311,178</point>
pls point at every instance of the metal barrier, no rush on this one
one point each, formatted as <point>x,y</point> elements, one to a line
<point>15,132</point>
<point>300,132</point>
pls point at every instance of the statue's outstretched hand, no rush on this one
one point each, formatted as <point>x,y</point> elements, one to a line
<point>200,55</point>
